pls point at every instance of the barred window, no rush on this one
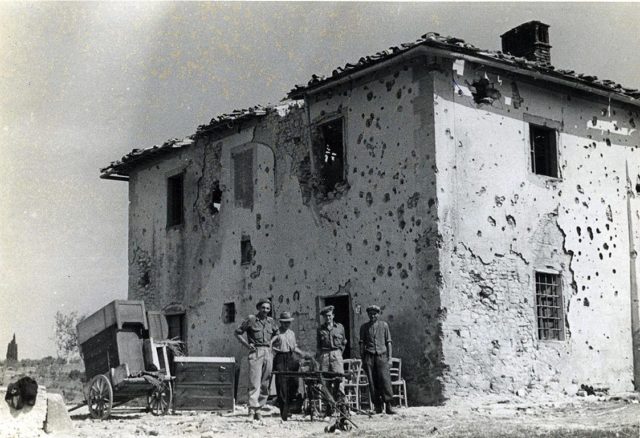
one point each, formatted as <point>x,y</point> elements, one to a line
<point>549,308</point>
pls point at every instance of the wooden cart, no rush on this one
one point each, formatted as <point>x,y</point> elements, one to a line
<point>121,362</point>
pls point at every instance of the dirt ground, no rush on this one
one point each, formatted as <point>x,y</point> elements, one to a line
<point>589,416</point>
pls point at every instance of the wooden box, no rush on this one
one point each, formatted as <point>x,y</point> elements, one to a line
<point>112,348</point>
<point>205,383</point>
<point>117,313</point>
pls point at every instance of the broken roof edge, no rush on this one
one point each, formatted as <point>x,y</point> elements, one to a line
<point>119,170</point>
<point>499,60</point>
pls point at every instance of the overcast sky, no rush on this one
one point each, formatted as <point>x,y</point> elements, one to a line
<point>81,84</point>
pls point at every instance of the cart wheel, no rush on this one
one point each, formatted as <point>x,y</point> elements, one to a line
<point>100,398</point>
<point>160,398</point>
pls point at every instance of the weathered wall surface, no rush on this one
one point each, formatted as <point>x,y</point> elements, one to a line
<point>500,223</point>
<point>373,241</point>
<point>447,244</point>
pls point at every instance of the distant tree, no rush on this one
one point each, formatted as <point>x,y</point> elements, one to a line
<point>66,336</point>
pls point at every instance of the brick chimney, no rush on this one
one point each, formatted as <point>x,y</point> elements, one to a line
<point>529,40</point>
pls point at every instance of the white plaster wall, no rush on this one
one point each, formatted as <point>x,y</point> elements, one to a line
<point>500,223</point>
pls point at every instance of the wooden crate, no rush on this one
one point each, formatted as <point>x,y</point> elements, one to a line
<point>118,313</point>
<point>112,348</point>
<point>205,383</point>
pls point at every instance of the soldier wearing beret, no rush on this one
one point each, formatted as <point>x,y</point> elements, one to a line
<point>376,352</point>
<point>331,342</point>
<point>260,329</point>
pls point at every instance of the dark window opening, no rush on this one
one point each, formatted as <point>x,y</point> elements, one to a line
<point>215,198</point>
<point>243,178</point>
<point>544,153</point>
<point>175,199</point>
<point>246,251</point>
<point>328,149</point>
<point>485,92</point>
<point>549,308</point>
<point>176,323</point>
<point>229,313</point>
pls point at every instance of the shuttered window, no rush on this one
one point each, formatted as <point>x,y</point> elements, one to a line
<point>243,178</point>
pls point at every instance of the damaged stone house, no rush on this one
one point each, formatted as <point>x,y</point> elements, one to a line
<point>488,202</point>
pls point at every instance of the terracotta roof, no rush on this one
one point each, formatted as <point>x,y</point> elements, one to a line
<point>457,45</point>
<point>121,168</point>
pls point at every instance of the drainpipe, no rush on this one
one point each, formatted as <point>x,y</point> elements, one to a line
<point>633,288</point>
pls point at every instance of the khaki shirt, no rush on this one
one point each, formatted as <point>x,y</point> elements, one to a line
<point>332,338</point>
<point>259,331</point>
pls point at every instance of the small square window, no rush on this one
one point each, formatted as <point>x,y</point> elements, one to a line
<point>229,313</point>
<point>549,307</point>
<point>544,151</point>
<point>328,151</point>
<point>246,251</point>
<point>175,199</point>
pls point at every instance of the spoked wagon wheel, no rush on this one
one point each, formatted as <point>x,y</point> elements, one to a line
<point>100,397</point>
<point>160,398</point>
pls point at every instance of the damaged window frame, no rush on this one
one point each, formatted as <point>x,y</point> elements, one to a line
<point>214,204</point>
<point>319,156</point>
<point>553,128</point>
<point>484,91</point>
<point>240,201</point>
<point>175,198</point>
<point>549,311</point>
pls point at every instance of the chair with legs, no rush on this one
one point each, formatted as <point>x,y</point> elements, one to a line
<point>352,367</point>
<point>398,385</point>
<point>364,396</point>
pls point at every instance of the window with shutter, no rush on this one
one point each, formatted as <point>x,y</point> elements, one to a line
<point>243,178</point>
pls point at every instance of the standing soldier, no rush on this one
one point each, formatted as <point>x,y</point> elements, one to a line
<point>331,341</point>
<point>285,345</point>
<point>376,353</point>
<point>260,328</point>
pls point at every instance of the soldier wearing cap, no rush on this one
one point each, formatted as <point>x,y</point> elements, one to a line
<point>376,352</point>
<point>260,329</point>
<point>284,346</point>
<point>331,342</point>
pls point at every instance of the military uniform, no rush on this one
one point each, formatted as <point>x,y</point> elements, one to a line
<point>259,333</point>
<point>331,341</point>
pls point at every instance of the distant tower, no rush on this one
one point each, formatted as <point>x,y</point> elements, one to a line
<point>12,350</point>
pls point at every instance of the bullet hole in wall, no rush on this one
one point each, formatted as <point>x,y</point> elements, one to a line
<point>145,279</point>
